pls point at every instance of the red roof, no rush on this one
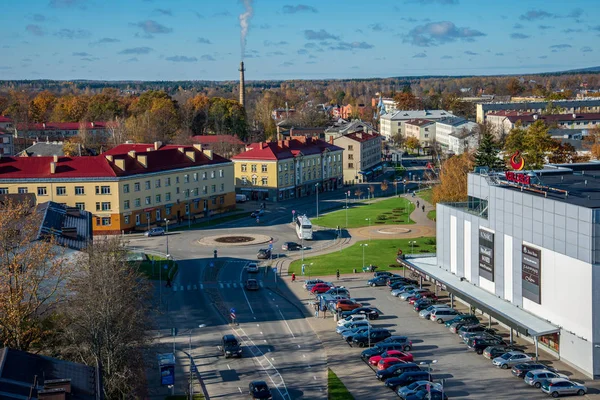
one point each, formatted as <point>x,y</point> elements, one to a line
<point>362,136</point>
<point>283,149</point>
<point>209,139</point>
<point>530,118</point>
<point>164,159</point>
<point>419,122</point>
<point>5,119</point>
<point>59,126</point>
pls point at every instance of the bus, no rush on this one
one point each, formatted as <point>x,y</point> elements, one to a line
<point>304,227</point>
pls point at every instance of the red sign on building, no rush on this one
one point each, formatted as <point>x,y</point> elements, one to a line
<point>523,179</point>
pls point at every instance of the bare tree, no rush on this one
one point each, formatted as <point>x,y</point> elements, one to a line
<point>108,317</point>
<point>32,277</point>
<point>116,131</point>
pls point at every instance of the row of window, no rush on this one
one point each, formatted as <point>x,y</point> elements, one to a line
<point>60,190</point>
<point>187,193</point>
<point>290,165</point>
<point>167,181</point>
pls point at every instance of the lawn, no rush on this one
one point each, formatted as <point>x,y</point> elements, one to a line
<point>426,195</point>
<point>212,221</point>
<point>337,390</point>
<point>377,252</point>
<point>156,270</point>
<point>431,215</point>
<point>386,212</point>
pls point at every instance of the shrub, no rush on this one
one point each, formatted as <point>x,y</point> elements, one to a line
<point>430,241</point>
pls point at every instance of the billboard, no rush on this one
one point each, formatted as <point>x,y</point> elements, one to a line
<point>531,273</point>
<point>486,254</point>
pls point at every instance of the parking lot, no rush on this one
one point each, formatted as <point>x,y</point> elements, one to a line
<point>466,374</point>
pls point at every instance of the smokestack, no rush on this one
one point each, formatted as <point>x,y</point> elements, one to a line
<point>242,86</point>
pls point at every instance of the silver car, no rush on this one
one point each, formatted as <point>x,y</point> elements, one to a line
<point>511,358</point>
<point>355,324</point>
<point>411,293</point>
<point>403,289</point>
<point>252,267</point>
<point>559,386</point>
<point>426,313</point>
<point>538,376</point>
<point>406,391</point>
<point>158,231</point>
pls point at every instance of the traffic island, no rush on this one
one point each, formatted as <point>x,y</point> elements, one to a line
<point>233,240</point>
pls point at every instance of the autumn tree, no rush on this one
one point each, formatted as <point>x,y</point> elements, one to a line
<point>227,117</point>
<point>407,101</point>
<point>108,317</point>
<point>41,107</point>
<point>488,153</point>
<point>453,179</point>
<point>32,277</point>
<point>514,87</point>
<point>412,143</point>
<point>592,142</point>
<point>106,106</point>
<point>70,108</point>
<point>564,153</point>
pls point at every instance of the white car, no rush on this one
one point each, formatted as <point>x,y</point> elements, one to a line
<point>426,313</point>
<point>158,231</point>
<point>352,325</point>
<point>252,267</point>
<point>511,358</point>
<point>536,377</point>
<point>353,317</point>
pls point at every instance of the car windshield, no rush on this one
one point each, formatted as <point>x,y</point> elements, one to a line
<point>261,388</point>
<point>506,356</point>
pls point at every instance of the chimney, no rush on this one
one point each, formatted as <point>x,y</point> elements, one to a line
<point>191,154</point>
<point>535,117</point>
<point>143,159</point>
<point>242,86</point>
<point>330,139</point>
<point>286,143</point>
<point>52,167</point>
<point>280,143</point>
<point>44,125</point>
<point>157,145</point>
<point>181,149</point>
<point>55,157</point>
<point>92,124</point>
<point>208,153</point>
<point>120,163</point>
<point>109,157</point>
<point>574,116</point>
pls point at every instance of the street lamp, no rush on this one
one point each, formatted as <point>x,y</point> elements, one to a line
<point>309,265</point>
<point>167,234</point>
<point>363,245</point>
<point>317,189</point>
<point>429,371</point>
<point>347,195</point>
<point>191,391</point>
<point>412,246</point>
<point>369,219</point>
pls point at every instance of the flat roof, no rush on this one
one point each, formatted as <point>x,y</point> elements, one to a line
<point>498,308</point>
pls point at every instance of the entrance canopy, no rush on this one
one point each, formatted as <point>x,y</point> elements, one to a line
<point>500,309</point>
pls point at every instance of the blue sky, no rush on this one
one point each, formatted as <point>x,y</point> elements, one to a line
<point>198,40</point>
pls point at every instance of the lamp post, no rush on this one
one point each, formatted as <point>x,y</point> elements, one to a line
<point>309,265</point>
<point>347,195</point>
<point>191,391</point>
<point>302,247</point>
<point>167,233</point>
<point>412,246</point>
<point>429,371</point>
<point>317,189</point>
<point>369,219</point>
<point>363,245</point>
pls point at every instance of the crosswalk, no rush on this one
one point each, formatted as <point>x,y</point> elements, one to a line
<point>210,285</point>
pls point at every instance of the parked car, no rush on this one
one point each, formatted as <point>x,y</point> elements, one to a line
<point>320,288</point>
<point>396,370</point>
<point>511,358</point>
<point>290,246</point>
<point>406,357</point>
<point>375,335</point>
<point>466,318</point>
<point>557,387</point>
<point>351,318</point>
<point>520,370</point>
<point>382,273</point>
<point>310,283</point>
<point>479,344</point>
<point>474,329</point>
<point>420,296</point>
<point>158,231</point>
<point>230,346</point>
<point>538,376</point>
<point>434,394</point>
<point>399,283</point>
<point>378,281</point>
<point>426,313</point>
<point>381,348</point>
<point>442,314</point>
<point>263,254</point>
<point>493,351</point>
<point>403,289</point>
<point>422,304</point>
<point>347,305</point>
<point>338,291</point>
<point>399,339</point>
<point>407,378</point>
<point>481,335</point>
<point>455,327</point>
<point>259,390</point>
<point>252,267</point>
<point>352,325</point>
<point>370,312</point>
<point>388,362</point>
<point>349,334</point>
<point>410,293</point>
<point>252,284</point>
<point>257,213</point>
<point>414,387</point>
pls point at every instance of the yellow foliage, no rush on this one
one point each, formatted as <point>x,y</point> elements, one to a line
<point>453,179</point>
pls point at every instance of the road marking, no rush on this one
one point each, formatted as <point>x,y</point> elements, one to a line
<point>240,389</point>
<point>174,288</point>
<point>243,291</point>
<point>286,324</point>
<point>221,285</point>
<point>315,377</point>
<point>228,285</point>
<point>298,346</point>
<point>309,367</point>
<point>234,285</point>
<point>201,286</point>
<point>261,333</point>
<point>228,367</point>
<point>261,283</point>
<point>181,288</point>
<point>303,355</point>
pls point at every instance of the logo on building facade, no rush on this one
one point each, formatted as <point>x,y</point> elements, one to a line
<point>486,255</point>
<point>531,273</point>
<point>517,165</point>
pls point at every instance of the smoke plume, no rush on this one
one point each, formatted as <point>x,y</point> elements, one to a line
<point>245,23</point>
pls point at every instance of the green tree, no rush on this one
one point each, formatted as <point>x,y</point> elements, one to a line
<point>487,154</point>
<point>534,143</point>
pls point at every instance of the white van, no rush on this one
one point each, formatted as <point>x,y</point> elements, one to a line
<point>240,198</point>
<point>443,314</point>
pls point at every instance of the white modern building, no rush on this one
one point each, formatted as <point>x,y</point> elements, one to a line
<point>525,249</point>
<point>391,124</point>
<point>456,126</point>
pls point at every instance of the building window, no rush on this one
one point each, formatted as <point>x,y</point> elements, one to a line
<point>79,190</point>
<point>61,191</point>
<point>263,168</point>
<point>168,210</point>
<point>187,193</point>
<point>222,187</point>
<point>176,190</point>
<point>286,179</point>
<point>222,200</point>
<point>168,196</point>
<point>148,217</point>
<point>138,219</point>
<point>127,220</point>
<point>126,205</point>
<point>244,167</point>
<point>195,192</point>
<point>157,183</point>
<point>279,167</point>
<point>213,188</point>
<point>148,200</point>
<point>147,185</point>
<point>204,176</point>
<point>106,206</point>
<point>136,187</point>
<point>187,209</point>
<point>214,202</point>
<point>253,167</point>
<point>125,188</point>
<point>265,181</point>
<point>138,203</point>
<point>186,178</point>
<point>212,174</point>
<point>168,181</point>
<point>254,180</point>
<point>158,198</point>
<point>23,190</point>
<point>105,221</point>
<point>158,215</point>
<point>244,180</point>
<point>350,156</point>
<point>280,179</point>
<point>204,189</point>
<point>220,173</point>
<point>350,165</point>
<point>176,179</point>
<point>41,191</point>
<point>350,147</point>
<point>195,177</point>
<point>285,167</point>
<point>80,206</point>
<point>102,189</point>
<point>4,190</point>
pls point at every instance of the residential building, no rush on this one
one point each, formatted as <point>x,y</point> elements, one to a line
<point>130,187</point>
<point>7,146</point>
<point>391,124</point>
<point>284,169</point>
<point>422,129</point>
<point>463,141</point>
<point>43,149</point>
<point>26,375</point>
<point>522,249</point>
<point>539,106</point>
<point>6,123</point>
<point>225,145</point>
<point>344,127</point>
<point>280,114</point>
<point>452,126</point>
<point>503,121</point>
<point>362,156</point>
<point>349,111</point>
<point>385,105</point>
<point>59,130</point>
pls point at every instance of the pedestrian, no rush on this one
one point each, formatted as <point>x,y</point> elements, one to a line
<point>303,267</point>
<point>168,282</point>
<point>324,309</point>
<point>423,208</point>
<point>337,274</point>
<point>293,277</point>
<point>316,310</point>
<point>417,203</point>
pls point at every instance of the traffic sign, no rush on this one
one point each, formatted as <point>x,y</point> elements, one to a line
<point>275,270</point>
<point>232,315</point>
<point>270,246</point>
<point>193,368</point>
<point>232,310</point>
<point>293,211</point>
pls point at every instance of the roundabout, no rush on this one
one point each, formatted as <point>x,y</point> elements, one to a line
<point>234,240</point>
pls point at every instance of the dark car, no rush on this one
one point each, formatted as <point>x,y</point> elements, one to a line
<point>259,390</point>
<point>520,370</point>
<point>381,348</point>
<point>378,281</point>
<point>480,344</point>
<point>373,336</point>
<point>433,394</point>
<point>474,328</point>
<point>463,318</point>
<point>396,370</point>
<point>263,254</point>
<point>257,213</point>
<point>407,378</point>
<point>370,312</point>
<point>230,346</point>
<point>382,273</point>
<point>399,339</point>
<point>252,284</point>
<point>422,304</point>
<point>291,246</point>
<point>494,351</point>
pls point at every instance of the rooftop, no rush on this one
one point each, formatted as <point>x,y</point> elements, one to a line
<point>530,117</point>
<point>344,127</point>
<point>419,122</point>
<point>210,139</point>
<point>403,115</point>
<point>452,121</point>
<point>69,226</point>
<point>284,149</point>
<point>60,126</point>
<point>362,136</point>
<point>43,149</point>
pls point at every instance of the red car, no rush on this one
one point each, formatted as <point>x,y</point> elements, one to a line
<point>423,295</point>
<point>387,362</point>
<point>406,357</point>
<point>320,288</point>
